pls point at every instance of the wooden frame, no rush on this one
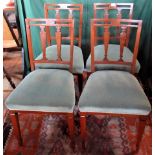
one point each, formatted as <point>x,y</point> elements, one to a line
<point>42,23</point>
<point>58,23</point>
<point>70,7</point>
<point>123,24</point>
<point>107,7</point>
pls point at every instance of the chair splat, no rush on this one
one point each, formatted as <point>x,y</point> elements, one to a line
<point>43,41</point>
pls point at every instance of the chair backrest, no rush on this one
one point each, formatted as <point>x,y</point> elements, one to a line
<point>107,8</point>
<point>70,8</point>
<point>119,7</point>
<point>42,24</point>
<point>123,24</point>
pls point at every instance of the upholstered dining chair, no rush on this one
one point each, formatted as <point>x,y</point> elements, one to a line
<point>45,91</point>
<point>63,11</point>
<point>114,92</point>
<point>117,11</point>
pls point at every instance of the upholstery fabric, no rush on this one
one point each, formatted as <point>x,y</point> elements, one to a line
<point>51,54</point>
<point>114,92</point>
<point>113,54</point>
<point>47,90</point>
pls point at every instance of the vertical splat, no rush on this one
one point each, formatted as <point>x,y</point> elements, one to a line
<point>43,41</point>
<point>119,14</point>
<point>123,37</point>
<point>57,15</point>
<point>58,41</point>
<point>106,40</point>
<point>70,15</point>
<point>106,13</point>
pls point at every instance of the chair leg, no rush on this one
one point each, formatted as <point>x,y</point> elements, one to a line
<point>141,128</point>
<point>16,127</point>
<point>71,125</point>
<point>83,129</point>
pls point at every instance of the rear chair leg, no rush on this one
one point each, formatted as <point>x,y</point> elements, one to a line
<point>71,130</point>
<point>141,128</point>
<point>83,129</point>
<point>16,127</point>
<point>71,125</point>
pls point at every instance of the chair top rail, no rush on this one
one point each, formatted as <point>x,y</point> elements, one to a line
<point>113,22</point>
<point>63,6</point>
<point>49,22</point>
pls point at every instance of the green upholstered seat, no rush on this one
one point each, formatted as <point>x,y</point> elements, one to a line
<point>51,54</point>
<point>113,54</point>
<point>116,92</point>
<point>45,90</point>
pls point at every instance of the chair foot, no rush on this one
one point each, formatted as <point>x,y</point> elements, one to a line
<point>83,129</point>
<point>16,127</point>
<point>141,128</point>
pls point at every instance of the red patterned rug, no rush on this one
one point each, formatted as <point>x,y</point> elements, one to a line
<point>47,135</point>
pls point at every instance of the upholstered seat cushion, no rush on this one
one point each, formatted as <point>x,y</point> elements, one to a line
<point>47,90</point>
<point>116,92</point>
<point>113,54</point>
<point>51,54</point>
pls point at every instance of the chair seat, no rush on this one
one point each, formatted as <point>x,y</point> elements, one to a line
<point>45,90</point>
<point>51,54</point>
<point>114,92</point>
<point>113,54</point>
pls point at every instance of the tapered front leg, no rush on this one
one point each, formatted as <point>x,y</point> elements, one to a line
<point>16,127</point>
<point>140,131</point>
<point>83,128</point>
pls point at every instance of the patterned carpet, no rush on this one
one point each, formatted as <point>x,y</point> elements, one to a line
<point>47,135</point>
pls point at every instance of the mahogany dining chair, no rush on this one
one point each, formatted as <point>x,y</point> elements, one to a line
<point>114,92</point>
<point>45,91</point>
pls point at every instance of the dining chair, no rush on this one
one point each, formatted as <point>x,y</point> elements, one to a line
<point>117,11</point>
<point>45,91</point>
<point>63,11</point>
<point>114,92</point>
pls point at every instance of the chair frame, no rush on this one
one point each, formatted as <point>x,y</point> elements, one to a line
<point>107,23</point>
<point>114,6</point>
<point>42,23</point>
<point>70,7</point>
<point>124,24</point>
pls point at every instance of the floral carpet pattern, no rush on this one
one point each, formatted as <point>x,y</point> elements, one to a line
<point>47,135</point>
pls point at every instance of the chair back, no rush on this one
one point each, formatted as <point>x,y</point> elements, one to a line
<point>123,25</point>
<point>70,8</point>
<point>58,24</point>
<point>120,8</point>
